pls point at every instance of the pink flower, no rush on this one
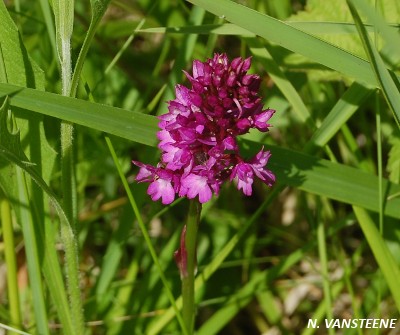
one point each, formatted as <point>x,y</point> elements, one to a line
<point>161,188</point>
<point>198,135</point>
<point>243,174</point>
<point>194,185</point>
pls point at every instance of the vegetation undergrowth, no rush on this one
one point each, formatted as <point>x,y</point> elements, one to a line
<point>83,248</point>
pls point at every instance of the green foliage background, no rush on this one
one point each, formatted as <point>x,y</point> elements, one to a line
<point>322,243</point>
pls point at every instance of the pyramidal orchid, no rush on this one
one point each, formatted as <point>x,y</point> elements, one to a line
<point>198,135</point>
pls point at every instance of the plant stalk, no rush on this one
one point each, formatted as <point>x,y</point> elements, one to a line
<point>188,274</point>
<point>64,15</point>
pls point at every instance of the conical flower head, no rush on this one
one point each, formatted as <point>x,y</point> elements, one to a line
<point>198,135</point>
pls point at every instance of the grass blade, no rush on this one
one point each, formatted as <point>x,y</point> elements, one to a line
<point>383,256</point>
<point>30,231</point>
<point>344,108</point>
<point>389,84</point>
<point>319,176</point>
<point>134,126</point>
<point>315,28</point>
<point>291,38</point>
<point>257,283</point>
<point>280,79</point>
<point>147,237</point>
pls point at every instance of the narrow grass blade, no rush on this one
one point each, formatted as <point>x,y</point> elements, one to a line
<point>345,107</point>
<point>134,126</point>
<point>98,9</point>
<point>147,237</point>
<point>387,82</point>
<point>280,79</point>
<point>388,32</point>
<point>323,259</point>
<point>291,38</point>
<point>54,278</point>
<point>258,282</point>
<point>383,256</point>
<point>48,19</point>
<point>205,29</point>
<point>24,215</point>
<point>334,28</point>
<point>13,330</point>
<point>312,27</point>
<point>183,57</point>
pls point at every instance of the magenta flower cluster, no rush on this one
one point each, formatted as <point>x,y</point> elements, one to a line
<point>198,135</point>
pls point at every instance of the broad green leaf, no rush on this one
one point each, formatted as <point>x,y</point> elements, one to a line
<point>388,83</point>
<point>134,126</point>
<point>18,66</point>
<point>293,39</point>
<point>332,180</point>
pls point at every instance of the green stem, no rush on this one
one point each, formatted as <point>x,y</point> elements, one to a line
<point>68,234</point>
<point>64,15</point>
<point>67,169</point>
<point>11,261</point>
<point>188,299</point>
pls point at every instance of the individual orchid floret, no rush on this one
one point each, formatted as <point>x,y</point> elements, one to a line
<point>198,135</point>
<point>244,172</point>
